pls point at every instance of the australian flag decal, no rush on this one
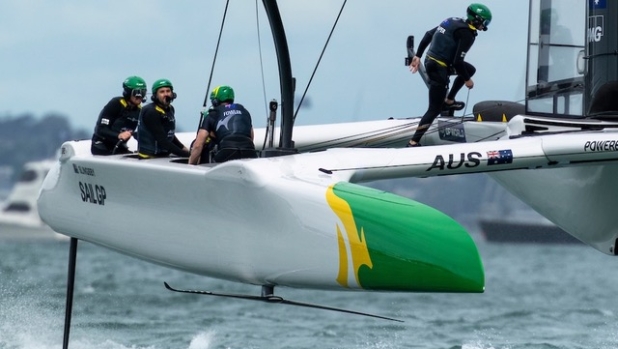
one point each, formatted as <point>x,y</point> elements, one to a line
<point>500,157</point>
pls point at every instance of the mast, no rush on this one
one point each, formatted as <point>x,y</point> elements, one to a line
<point>602,45</point>
<point>286,145</point>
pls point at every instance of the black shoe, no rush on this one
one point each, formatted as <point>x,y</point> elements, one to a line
<point>456,105</point>
<point>410,145</point>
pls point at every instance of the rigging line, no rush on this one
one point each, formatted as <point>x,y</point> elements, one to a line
<point>319,59</point>
<point>342,140</point>
<point>259,36</point>
<point>373,141</point>
<point>215,56</point>
<point>466,106</point>
<point>396,129</point>
<point>373,133</point>
<point>363,138</point>
<point>615,53</point>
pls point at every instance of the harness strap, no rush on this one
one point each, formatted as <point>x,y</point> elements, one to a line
<point>437,61</point>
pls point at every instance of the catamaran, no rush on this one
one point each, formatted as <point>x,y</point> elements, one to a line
<point>299,216</point>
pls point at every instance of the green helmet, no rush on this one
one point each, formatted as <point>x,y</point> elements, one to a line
<point>479,15</point>
<point>221,94</point>
<point>161,83</point>
<point>134,86</point>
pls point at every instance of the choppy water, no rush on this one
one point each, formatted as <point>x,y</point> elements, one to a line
<point>537,296</point>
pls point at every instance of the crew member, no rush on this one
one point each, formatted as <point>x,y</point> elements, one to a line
<point>228,125</point>
<point>450,42</point>
<point>118,119</point>
<point>157,124</point>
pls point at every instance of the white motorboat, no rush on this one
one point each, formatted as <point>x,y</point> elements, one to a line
<point>19,216</point>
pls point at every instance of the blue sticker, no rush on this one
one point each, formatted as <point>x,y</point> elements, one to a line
<point>598,4</point>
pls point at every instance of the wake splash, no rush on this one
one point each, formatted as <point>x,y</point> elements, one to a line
<point>202,340</point>
<point>27,322</point>
<point>37,322</point>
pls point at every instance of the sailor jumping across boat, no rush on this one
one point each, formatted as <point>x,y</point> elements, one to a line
<point>450,41</point>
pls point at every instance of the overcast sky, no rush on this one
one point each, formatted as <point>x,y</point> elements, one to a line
<point>70,57</point>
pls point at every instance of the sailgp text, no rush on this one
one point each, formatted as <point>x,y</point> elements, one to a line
<point>94,194</point>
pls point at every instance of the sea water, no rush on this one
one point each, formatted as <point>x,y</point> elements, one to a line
<point>537,296</point>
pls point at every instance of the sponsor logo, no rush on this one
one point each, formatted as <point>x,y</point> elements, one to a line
<point>472,159</point>
<point>499,157</point>
<point>595,146</point>
<point>227,115</point>
<point>83,170</point>
<point>595,28</point>
<point>94,194</point>
<point>451,132</point>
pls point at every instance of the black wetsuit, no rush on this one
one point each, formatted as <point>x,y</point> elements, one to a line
<point>450,41</point>
<point>156,132</point>
<point>117,116</point>
<point>232,126</point>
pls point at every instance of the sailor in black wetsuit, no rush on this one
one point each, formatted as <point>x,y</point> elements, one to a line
<point>157,124</point>
<point>118,119</point>
<point>450,41</point>
<point>228,125</point>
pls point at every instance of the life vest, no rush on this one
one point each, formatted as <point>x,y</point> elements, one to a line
<point>443,44</point>
<point>232,119</point>
<point>146,142</point>
<point>128,117</point>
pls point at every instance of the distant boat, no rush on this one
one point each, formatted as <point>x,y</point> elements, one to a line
<point>506,219</point>
<point>517,229</point>
<point>19,217</point>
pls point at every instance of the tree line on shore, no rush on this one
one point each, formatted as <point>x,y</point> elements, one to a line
<point>26,138</point>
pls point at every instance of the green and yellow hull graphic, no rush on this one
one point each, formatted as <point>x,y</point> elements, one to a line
<point>391,243</point>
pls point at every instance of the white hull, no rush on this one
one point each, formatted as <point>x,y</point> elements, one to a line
<point>267,221</point>
<point>289,221</point>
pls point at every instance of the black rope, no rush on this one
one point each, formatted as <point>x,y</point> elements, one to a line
<point>257,20</point>
<point>259,36</point>
<point>615,53</point>
<point>212,69</point>
<point>319,59</point>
